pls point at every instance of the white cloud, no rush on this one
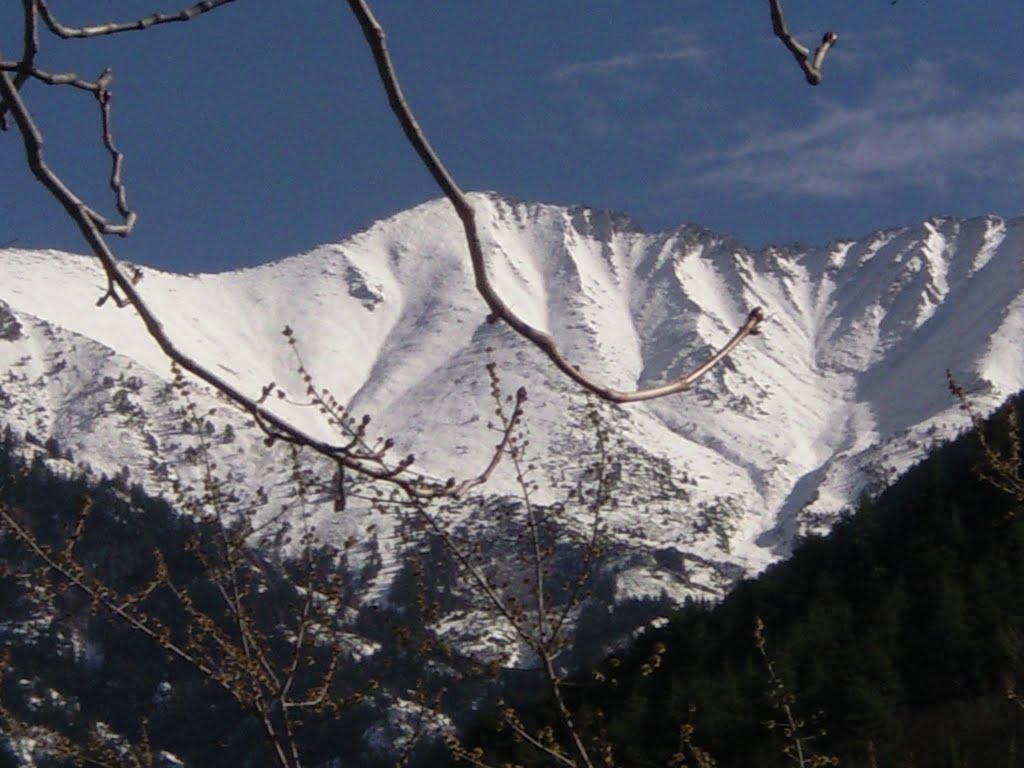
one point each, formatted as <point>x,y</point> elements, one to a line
<point>663,45</point>
<point>915,130</point>
<point>602,88</point>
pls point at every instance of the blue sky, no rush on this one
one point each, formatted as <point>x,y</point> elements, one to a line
<point>260,130</point>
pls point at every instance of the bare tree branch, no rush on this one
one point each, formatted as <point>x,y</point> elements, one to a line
<point>30,47</point>
<point>811,65</point>
<point>113,27</point>
<point>510,719</point>
<point>100,89</point>
<point>1003,465</point>
<point>375,37</point>
<point>369,462</point>
<point>226,645</point>
<point>72,573</point>
<point>354,454</point>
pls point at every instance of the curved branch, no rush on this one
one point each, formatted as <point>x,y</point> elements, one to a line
<point>811,65</point>
<point>375,37</point>
<point>368,463</point>
<point>100,89</point>
<point>113,27</point>
<point>29,49</point>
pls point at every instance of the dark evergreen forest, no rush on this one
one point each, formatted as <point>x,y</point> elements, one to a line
<point>897,640</point>
<point>54,639</point>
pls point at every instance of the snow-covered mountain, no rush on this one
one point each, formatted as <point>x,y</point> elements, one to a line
<point>844,388</point>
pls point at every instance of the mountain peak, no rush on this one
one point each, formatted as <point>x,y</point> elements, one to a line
<point>844,388</point>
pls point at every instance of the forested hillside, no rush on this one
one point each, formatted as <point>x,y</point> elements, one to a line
<point>80,685</point>
<point>896,640</point>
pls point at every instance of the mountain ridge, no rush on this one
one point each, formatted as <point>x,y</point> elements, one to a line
<point>844,388</point>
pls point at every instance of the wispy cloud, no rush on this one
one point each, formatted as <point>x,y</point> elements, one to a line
<point>917,130</point>
<point>660,46</point>
<point>603,87</point>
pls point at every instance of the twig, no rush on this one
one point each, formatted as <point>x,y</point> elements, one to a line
<point>1003,467</point>
<point>101,596</point>
<point>100,89</point>
<point>797,743</point>
<point>113,27</point>
<point>526,736</point>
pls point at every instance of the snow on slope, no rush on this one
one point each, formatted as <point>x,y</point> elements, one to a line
<point>844,388</point>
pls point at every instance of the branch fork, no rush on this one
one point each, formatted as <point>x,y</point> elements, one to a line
<point>810,63</point>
